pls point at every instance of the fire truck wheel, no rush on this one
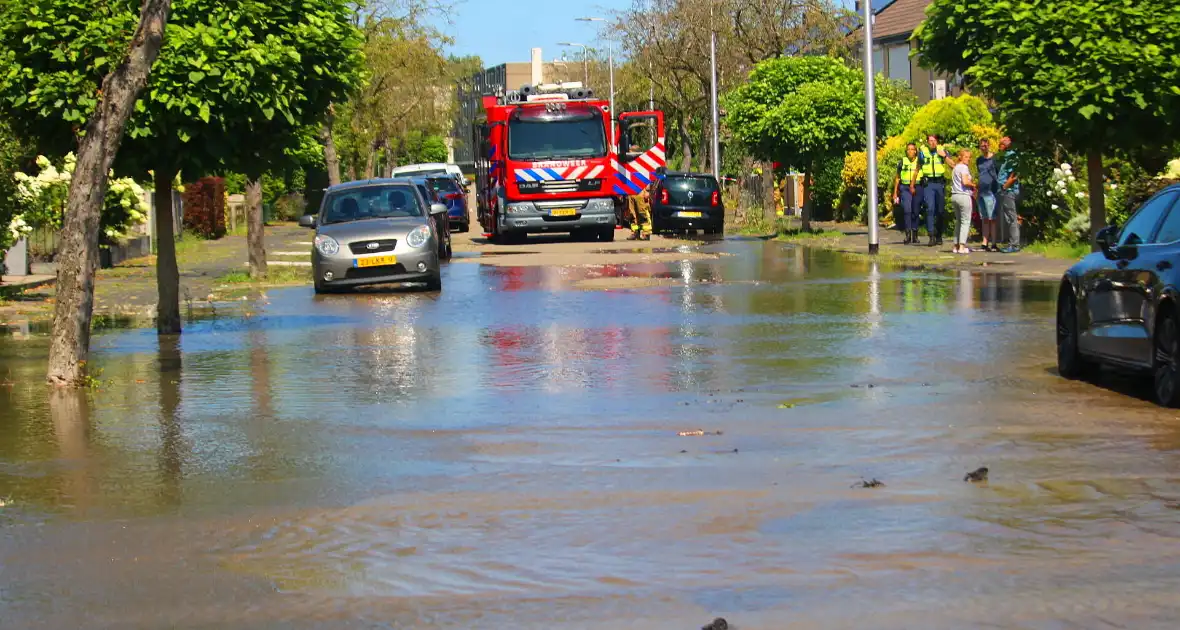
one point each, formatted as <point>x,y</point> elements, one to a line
<point>606,235</point>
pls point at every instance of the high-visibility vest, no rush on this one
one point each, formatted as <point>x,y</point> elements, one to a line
<point>933,164</point>
<point>908,168</point>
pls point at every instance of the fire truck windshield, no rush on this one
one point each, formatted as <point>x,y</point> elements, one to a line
<point>557,138</point>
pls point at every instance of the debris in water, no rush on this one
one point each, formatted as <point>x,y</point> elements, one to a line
<point>786,405</point>
<point>872,483</point>
<point>697,433</point>
<point>6,501</point>
<point>977,475</point>
<point>718,624</point>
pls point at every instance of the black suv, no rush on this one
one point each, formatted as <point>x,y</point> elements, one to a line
<point>1121,306</point>
<point>687,201</point>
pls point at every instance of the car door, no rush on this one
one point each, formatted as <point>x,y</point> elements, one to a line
<point>1117,287</point>
<point>1145,278</point>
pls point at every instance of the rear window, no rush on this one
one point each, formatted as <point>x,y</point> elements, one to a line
<point>426,173</point>
<point>444,184</point>
<point>689,190</point>
<point>371,202</point>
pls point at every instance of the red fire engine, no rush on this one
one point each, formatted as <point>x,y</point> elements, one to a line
<point>546,161</point>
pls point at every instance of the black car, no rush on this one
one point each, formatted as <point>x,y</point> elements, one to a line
<point>687,201</point>
<point>1118,306</point>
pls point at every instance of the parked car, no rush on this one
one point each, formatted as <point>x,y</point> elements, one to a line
<point>442,222</point>
<point>430,169</point>
<point>687,201</point>
<point>1119,307</point>
<point>454,197</point>
<point>374,232</point>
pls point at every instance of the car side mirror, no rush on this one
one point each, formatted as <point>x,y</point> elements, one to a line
<point>437,208</point>
<point>308,221</point>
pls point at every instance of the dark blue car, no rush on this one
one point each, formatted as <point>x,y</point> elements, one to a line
<point>450,193</point>
<point>1118,306</point>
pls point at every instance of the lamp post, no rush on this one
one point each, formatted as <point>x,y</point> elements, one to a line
<point>610,56</point>
<point>585,61</point>
<point>870,126</point>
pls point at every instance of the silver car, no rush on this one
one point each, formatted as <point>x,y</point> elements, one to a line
<point>374,232</point>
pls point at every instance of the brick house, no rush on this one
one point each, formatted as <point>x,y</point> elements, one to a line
<point>893,25</point>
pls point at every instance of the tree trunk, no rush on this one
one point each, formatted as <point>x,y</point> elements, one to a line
<point>167,274</point>
<point>769,208</point>
<point>370,163</point>
<point>1097,195</point>
<point>685,145</point>
<point>351,171</point>
<point>703,155</point>
<point>331,159</point>
<point>78,256</point>
<point>808,184</point>
<point>255,231</point>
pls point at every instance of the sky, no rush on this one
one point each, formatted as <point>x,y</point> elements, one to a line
<point>500,31</point>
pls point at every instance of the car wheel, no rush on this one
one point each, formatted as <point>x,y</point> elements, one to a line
<point>1167,376</point>
<point>434,283</point>
<point>1070,362</point>
<point>466,227</point>
<point>606,235</point>
<point>450,252</point>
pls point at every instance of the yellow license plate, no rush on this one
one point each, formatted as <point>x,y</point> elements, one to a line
<point>563,212</point>
<point>376,261</point>
<point>689,215</point>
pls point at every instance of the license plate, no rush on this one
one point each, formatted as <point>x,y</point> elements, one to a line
<point>563,212</point>
<point>689,215</point>
<point>376,261</point>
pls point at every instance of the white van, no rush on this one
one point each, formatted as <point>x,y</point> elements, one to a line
<point>433,169</point>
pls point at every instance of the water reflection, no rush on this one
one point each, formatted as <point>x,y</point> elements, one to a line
<point>172,444</point>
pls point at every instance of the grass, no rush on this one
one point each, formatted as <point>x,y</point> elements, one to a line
<point>275,275</point>
<point>1059,249</point>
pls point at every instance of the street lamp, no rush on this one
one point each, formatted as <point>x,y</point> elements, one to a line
<point>610,52</point>
<point>870,126</point>
<point>585,61</point>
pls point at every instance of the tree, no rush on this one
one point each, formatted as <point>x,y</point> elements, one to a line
<point>234,84</point>
<point>801,111</point>
<point>70,343</point>
<point>1094,76</point>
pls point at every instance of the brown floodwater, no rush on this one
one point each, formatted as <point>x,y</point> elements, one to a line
<point>506,454</point>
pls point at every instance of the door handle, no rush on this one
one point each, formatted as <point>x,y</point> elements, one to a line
<point>1163,265</point>
<point>1122,264</point>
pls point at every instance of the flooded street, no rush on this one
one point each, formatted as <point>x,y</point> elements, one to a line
<point>505,454</point>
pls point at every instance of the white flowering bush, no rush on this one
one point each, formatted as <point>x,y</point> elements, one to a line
<point>42,200</point>
<point>1070,196</point>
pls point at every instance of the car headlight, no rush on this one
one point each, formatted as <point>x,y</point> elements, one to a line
<point>326,245</point>
<point>418,236</point>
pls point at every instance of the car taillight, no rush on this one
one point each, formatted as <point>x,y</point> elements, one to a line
<point>453,196</point>
<point>664,196</point>
<point>716,200</point>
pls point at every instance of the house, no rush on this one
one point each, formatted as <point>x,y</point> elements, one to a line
<point>893,24</point>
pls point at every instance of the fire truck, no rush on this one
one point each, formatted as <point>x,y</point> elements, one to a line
<point>547,161</point>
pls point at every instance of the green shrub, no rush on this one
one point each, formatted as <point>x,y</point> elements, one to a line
<point>289,207</point>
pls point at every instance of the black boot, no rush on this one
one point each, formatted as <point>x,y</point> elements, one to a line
<point>915,240</point>
<point>933,241</point>
<point>909,237</point>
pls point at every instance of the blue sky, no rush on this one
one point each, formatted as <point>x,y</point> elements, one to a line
<point>500,31</point>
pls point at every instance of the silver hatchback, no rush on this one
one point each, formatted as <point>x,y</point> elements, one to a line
<point>374,232</point>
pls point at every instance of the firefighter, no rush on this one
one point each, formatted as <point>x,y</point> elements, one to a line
<point>640,206</point>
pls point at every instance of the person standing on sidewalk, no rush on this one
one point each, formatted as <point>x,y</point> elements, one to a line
<point>989,185</point>
<point>963,190</point>
<point>907,194</point>
<point>932,163</point>
<point>1009,194</point>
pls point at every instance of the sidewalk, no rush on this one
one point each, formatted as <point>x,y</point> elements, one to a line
<point>855,240</point>
<point>16,284</point>
<point>129,289</point>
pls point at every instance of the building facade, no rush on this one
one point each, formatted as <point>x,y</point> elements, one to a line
<point>893,25</point>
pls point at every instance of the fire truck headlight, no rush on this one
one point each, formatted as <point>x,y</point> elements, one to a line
<point>519,208</point>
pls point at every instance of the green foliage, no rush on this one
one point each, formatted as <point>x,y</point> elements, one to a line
<point>12,154</point>
<point>289,207</point>
<point>1089,74</point>
<point>40,199</point>
<point>827,188</point>
<point>235,83</point>
<point>951,119</point>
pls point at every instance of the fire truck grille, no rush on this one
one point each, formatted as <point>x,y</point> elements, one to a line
<point>559,186</point>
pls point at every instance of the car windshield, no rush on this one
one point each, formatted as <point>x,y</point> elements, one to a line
<point>556,139</point>
<point>443,185</point>
<point>371,202</point>
<point>688,190</point>
<point>424,173</point>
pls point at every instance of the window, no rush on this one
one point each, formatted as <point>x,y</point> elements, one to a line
<point>371,202</point>
<point>878,60</point>
<point>899,62</point>
<point>688,190</point>
<point>1170,230</point>
<point>1138,230</point>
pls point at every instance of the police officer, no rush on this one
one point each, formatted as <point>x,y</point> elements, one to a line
<point>932,165</point>
<point>907,193</point>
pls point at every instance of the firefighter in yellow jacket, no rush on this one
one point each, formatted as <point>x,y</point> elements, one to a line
<point>640,206</point>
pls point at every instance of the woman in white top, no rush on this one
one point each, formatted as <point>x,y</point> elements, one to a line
<point>962,192</point>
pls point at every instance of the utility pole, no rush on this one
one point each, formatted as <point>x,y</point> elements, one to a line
<point>870,127</point>
<point>585,61</point>
<point>713,96</point>
<point>610,59</point>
